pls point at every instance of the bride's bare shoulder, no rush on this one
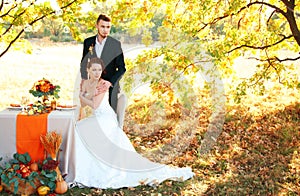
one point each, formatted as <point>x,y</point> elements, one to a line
<point>83,82</point>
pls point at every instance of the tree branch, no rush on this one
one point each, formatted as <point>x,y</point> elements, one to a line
<point>11,43</point>
<point>31,23</point>
<point>267,4</point>
<point>274,11</point>
<point>5,14</point>
<point>290,17</point>
<point>260,47</point>
<point>1,5</point>
<point>12,23</point>
<point>215,20</point>
<point>287,59</point>
<point>275,59</point>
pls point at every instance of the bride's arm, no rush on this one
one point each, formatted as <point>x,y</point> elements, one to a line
<point>94,102</point>
<point>97,100</point>
<point>82,94</point>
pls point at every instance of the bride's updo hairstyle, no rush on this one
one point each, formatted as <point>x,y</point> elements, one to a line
<point>95,60</point>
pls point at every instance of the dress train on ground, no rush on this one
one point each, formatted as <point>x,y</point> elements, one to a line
<point>105,157</point>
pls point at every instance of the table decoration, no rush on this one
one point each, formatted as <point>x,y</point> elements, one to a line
<point>47,93</point>
<point>63,121</point>
<point>18,177</point>
<point>53,104</point>
<point>38,108</point>
<point>28,131</point>
<point>52,142</point>
<point>44,89</point>
<point>24,103</point>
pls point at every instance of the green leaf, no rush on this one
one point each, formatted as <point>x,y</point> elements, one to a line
<point>16,155</point>
<point>27,157</point>
<point>7,165</point>
<point>10,175</point>
<point>16,185</point>
<point>4,178</point>
<point>22,159</point>
<point>13,180</point>
<point>32,184</point>
<point>43,171</point>
<point>51,185</point>
<point>42,181</point>
<point>16,167</point>
<point>50,175</point>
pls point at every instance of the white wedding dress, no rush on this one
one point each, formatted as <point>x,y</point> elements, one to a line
<point>105,157</point>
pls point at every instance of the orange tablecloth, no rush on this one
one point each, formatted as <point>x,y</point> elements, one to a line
<point>28,131</point>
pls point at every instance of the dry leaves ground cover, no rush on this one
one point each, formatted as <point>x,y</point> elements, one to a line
<point>257,152</point>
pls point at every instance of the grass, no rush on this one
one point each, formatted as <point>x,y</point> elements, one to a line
<point>257,152</point>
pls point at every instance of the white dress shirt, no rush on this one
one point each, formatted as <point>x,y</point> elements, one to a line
<point>99,46</point>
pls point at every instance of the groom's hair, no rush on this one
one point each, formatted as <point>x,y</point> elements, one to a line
<point>95,60</point>
<point>103,17</point>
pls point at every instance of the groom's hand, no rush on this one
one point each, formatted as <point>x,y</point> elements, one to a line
<point>103,87</point>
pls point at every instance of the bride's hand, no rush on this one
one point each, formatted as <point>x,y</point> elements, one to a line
<point>102,87</point>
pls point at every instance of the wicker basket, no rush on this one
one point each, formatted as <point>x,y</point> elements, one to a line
<point>24,188</point>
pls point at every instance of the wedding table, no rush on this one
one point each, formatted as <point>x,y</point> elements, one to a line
<point>62,122</point>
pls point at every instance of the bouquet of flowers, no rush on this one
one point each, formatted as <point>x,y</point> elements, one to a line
<point>44,88</point>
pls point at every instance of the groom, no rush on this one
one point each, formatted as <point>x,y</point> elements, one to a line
<point>110,51</point>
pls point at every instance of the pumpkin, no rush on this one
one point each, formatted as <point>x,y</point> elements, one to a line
<point>61,187</point>
<point>43,190</point>
<point>34,167</point>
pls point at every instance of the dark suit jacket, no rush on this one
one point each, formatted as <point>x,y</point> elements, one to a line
<point>114,64</point>
<point>112,55</point>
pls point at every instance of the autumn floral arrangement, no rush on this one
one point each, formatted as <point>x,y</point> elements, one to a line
<point>51,142</point>
<point>44,88</point>
<point>22,176</point>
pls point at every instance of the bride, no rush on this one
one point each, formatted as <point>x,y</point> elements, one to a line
<point>105,157</point>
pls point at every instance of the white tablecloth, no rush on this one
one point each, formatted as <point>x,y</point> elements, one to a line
<point>60,121</point>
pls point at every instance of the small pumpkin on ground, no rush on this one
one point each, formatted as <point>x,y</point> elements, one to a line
<point>43,190</point>
<point>61,185</point>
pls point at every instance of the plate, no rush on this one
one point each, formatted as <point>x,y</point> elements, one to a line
<point>14,108</point>
<point>14,105</point>
<point>65,108</point>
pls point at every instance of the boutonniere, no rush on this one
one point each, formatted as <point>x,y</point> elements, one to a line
<point>91,49</point>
